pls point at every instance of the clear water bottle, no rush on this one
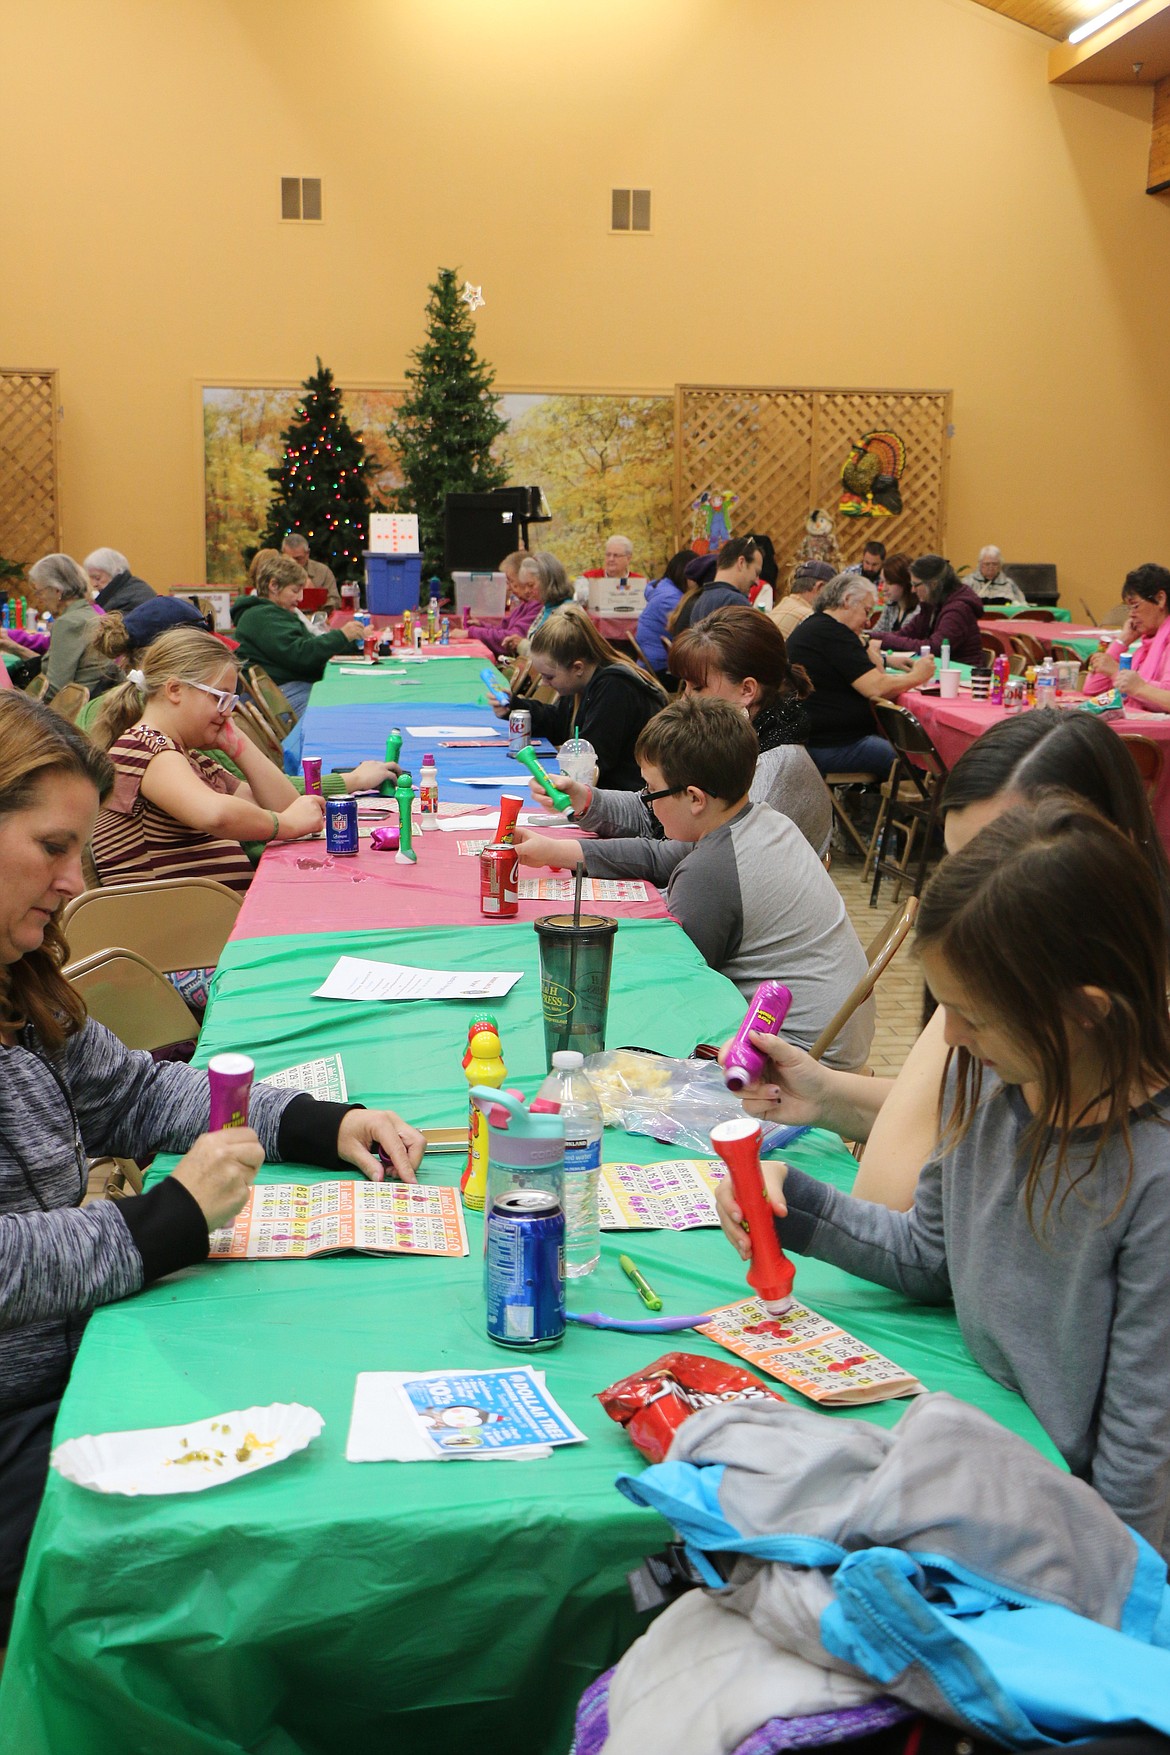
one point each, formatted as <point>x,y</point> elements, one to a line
<point>1046,681</point>
<point>568,1086</point>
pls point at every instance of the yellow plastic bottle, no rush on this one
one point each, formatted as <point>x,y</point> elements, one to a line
<point>483,1065</point>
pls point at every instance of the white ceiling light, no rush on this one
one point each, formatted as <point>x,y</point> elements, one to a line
<point>1102,19</point>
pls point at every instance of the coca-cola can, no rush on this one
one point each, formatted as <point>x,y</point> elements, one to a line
<point>370,646</point>
<point>499,881</point>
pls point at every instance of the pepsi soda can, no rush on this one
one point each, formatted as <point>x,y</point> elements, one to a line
<point>519,730</point>
<point>341,826</point>
<point>525,1270</point>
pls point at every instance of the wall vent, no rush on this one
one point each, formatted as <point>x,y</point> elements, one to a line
<point>630,210</point>
<point>300,198</point>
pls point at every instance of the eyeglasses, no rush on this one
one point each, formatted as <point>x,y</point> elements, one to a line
<point>225,702</point>
<point>648,797</point>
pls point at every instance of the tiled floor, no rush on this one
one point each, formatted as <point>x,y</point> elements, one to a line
<point>899,992</point>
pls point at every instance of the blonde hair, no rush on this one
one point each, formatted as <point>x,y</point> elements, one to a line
<point>281,572</point>
<point>569,635</point>
<point>261,566</point>
<point>184,655</point>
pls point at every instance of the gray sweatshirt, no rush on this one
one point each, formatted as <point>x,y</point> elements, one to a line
<point>1078,1322</point>
<point>786,777</point>
<point>758,903</point>
<point>57,1259</point>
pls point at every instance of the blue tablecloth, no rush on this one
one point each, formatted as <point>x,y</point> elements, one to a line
<point>344,736</point>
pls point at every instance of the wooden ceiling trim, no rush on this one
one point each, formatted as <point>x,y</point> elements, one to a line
<point>1054,18</point>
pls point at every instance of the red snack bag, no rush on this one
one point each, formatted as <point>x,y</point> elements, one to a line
<point>653,1403</point>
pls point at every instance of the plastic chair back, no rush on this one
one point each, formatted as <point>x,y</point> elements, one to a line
<point>179,923</point>
<point>880,954</point>
<point>132,998</point>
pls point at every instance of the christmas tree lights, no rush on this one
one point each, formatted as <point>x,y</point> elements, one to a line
<point>323,487</point>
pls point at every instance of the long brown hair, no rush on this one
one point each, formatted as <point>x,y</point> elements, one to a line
<point>187,654</point>
<point>569,635</point>
<point>1046,901</point>
<point>35,746</point>
<point>738,643</point>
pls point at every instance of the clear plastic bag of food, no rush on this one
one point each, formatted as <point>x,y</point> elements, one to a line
<point>675,1101</point>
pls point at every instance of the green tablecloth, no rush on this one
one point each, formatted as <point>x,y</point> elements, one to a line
<point>453,680</point>
<point>1026,609</point>
<point>324,1606</point>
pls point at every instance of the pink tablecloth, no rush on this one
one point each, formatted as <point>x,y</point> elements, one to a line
<point>457,648</point>
<point>300,888</point>
<point>955,725</point>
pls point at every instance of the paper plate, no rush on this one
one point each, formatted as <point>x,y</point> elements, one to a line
<point>186,1459</point>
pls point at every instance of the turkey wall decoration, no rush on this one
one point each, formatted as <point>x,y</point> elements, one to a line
<point>871,475</point>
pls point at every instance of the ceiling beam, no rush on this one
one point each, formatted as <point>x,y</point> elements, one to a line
<point>1139,37</point>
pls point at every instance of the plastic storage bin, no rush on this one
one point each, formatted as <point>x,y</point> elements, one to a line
<point>392,583</point>
<point>481,594</point>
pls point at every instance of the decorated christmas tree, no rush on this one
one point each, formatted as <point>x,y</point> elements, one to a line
<point>323,487</point>
<point>445,429</point>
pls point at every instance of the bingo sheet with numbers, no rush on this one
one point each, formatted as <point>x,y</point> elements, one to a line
<point>674,1195</point>
<point>809,1353</point>
<point>292,1220</point>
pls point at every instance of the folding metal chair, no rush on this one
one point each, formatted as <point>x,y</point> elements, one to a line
<point>879,954</point>
<point>176,923</point>
<point>69,701</point>
<point>910,796</point>
<point>1148,759</point>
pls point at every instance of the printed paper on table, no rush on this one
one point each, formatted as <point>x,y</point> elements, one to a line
<point>809,1353</point>
<point>677,1194</point>
<point>360,978</point>
<point>438,1416</point>
<point>592,890</point>
<point>323,1079</point>
<point>293,1220</point>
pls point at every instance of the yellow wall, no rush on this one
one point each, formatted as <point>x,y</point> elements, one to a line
<point>845,193</point>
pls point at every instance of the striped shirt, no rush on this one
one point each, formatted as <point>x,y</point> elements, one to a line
<point>134,842</point>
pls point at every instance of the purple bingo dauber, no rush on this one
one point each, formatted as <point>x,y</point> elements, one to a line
<point>743,1064</point>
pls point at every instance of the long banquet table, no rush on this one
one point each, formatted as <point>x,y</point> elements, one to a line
<point>326,1606</point>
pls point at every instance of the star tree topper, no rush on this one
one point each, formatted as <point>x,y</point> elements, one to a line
<point>472,296</point>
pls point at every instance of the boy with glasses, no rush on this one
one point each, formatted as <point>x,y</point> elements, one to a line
<point>743,882</point>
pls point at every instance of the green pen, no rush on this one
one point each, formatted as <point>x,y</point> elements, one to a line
<point>641,1285</point>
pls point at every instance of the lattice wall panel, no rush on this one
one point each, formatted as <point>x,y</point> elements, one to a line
<point>30,518</point>
<point>920,418</point>
<point>781,451</point>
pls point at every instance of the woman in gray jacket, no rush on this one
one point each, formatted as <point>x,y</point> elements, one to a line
<point>70,1092</point>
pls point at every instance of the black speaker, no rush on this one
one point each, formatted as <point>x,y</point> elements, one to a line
<point>480,529</point>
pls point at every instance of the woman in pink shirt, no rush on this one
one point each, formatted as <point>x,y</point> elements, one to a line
<point>502,639</point>
<point>1146,594</point>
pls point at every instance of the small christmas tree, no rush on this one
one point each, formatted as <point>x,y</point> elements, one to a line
<point>445,429</point>
<point>323,488</point>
